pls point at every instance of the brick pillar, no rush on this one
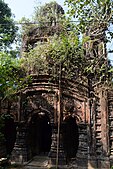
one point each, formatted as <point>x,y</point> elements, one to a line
<point>104,160</point>
<point>110,111</point>
<point>82,153</point>
<point>104,121</point>
<point>21,152</point>
<point>53,151</point>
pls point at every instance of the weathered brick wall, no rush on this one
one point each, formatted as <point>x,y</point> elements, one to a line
<point>94,118</point>
<point>100,129</point>
<point>41,95</point>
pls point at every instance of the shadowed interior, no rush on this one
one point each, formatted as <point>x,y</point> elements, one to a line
<point>70,137</point>
<point>39,134</point>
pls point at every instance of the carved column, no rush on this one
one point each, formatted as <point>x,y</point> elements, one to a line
<point>82,153</point>
<point>53,151</point>
<point>110,125</point>
<point>21,152</point>
<point>104,121</point>
<point>103,160</point>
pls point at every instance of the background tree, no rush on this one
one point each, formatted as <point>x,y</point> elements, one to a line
<point>11,74</point>
<point>10,70</point>
<point>10,78</point>
<point>7,26</point>
<point>92,19</point>
<point>90,13</point>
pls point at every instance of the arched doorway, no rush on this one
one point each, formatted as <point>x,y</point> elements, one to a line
<point>70,137</point>
<point>39,134</point>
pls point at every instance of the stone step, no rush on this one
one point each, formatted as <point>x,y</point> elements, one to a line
<point>52,167</point>
<point>41,162</point>
<point>32,167</point>
<point>38,162</point>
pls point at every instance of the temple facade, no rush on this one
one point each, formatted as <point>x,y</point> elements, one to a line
<point>68,121</point>
<point>67,125</point>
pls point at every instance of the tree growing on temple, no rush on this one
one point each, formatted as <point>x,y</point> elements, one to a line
<point>93,20</point>
<point>74,47</point>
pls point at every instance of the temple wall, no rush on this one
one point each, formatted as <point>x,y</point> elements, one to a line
<point>93,117</point>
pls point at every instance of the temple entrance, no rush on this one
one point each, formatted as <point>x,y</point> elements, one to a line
<point>70,137</point>
<point>39,134</point>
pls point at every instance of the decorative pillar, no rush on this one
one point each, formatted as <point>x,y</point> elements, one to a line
<point>104,121</point>
<point>21,153</point>
<point>104,129</point>
<point>53,152</point>
<point>110,125</point>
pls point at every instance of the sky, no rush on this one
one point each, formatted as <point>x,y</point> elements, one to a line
<point>21,8</point>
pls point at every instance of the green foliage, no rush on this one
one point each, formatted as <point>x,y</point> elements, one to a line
<point>48,14</point>
<point>68,51</point>
<point>90,12</point>
<point>74,48</point>
<point>34,61</point>
<point>45,17</point>
<point>11,75</point>
<point>26,25</point>
<point>7,26</point>
<point>92,19</point>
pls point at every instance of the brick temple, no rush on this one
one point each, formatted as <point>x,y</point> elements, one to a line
<point>71,124</point>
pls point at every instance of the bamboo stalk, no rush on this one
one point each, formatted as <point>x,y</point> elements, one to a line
<point>59,117</point>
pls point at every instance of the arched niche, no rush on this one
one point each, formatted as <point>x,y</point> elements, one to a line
<point>70,136</point>
<point>39,132</point>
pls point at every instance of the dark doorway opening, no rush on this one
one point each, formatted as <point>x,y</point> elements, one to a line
<point>9,133</point>
<point>70,137</point>
<point>39,134</point>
